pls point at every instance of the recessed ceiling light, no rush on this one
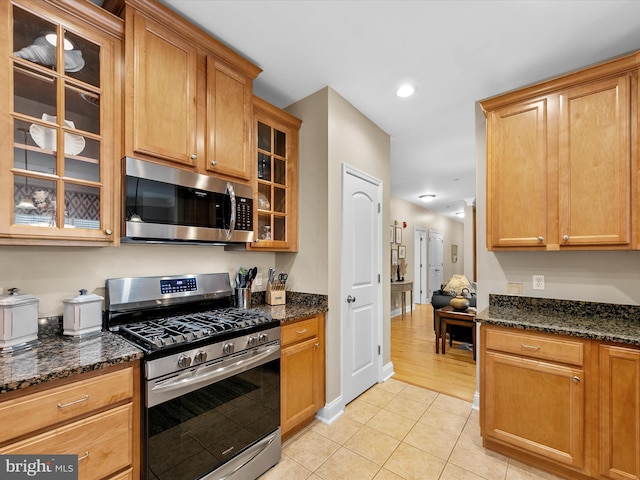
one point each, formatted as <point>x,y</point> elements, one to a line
<point>406,91</point>
<point>427,198</point>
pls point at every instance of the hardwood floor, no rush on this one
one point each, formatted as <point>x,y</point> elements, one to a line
<point>413,353</point>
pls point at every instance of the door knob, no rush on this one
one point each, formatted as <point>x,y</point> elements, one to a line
<point>351,299</point>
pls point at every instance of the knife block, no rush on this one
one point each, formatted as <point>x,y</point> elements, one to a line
<point>275,296</point>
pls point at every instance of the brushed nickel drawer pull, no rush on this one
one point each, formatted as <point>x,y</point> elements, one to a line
<point>64,405</point>
<point>530,347</point>
<point>86,454</point>
<point>301,332</point>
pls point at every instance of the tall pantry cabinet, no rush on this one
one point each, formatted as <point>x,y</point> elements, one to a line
<point>61,69</point>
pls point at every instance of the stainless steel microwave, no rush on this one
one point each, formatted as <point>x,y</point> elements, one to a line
<point>162,204</point>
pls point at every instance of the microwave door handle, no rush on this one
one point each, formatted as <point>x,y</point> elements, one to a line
<point>232,218</point>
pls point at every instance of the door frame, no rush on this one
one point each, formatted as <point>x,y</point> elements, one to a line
<point>421,272</point>
<point>349,170</point>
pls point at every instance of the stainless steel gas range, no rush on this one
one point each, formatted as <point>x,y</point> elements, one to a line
<point>211,386</point>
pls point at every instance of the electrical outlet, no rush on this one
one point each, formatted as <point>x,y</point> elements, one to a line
<point>258,279</point>
<point>538,282</point>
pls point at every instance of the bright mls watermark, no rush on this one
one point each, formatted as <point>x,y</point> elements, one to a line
<point>51,467</point>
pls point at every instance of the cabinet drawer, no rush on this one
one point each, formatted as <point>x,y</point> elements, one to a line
<point>102,442</point>
<point>299,331</point>
<point>33,412</point>
<point>536,346</point>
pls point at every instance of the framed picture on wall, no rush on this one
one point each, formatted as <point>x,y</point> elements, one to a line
<point>398,235</point>
<point>394,257</point>
<point>402,251</point>
<point>391,233</point>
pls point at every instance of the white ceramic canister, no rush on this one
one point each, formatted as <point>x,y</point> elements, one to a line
<point>82,314</point>
<point>18,320</point>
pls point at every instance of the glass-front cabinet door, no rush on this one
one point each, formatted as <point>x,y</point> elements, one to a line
<point>276,134</point>
<point>61,122</point>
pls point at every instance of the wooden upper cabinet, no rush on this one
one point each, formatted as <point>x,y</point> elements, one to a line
<point>561,162</point>
<point>275,153</point>
<point>189,97</point>
<point>595,163</point>
<point>229,97</point>
<point>163,69</point>
<point>61,72</point>
<point>517,175</point>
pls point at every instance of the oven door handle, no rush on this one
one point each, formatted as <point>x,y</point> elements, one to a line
<point>219,371</point>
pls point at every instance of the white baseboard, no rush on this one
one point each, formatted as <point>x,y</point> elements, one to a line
<point>387,372</point>
<point>331,411</point>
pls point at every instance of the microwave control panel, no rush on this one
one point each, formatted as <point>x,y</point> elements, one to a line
<point>244,214</point>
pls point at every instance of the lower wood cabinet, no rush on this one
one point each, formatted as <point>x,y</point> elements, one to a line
<point>619,412</point>
<point>565,404</point>
<point>302,372</point>
<point>96,416</point>
<point>530,401</point>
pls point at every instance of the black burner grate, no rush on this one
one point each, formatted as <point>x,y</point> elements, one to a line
<point>169,331</point>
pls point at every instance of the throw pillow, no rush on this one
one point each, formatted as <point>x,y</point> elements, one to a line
<point>456,284</point>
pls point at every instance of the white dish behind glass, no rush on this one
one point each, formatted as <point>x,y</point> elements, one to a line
<point>45,137</point>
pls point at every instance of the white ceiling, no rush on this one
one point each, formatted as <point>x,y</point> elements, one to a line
<point>455,52</point>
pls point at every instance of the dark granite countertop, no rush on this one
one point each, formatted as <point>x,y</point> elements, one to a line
<point>58,356</point>
<point>598,321</point>
<point>299,305</point>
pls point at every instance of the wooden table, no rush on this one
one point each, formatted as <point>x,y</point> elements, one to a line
<point>403,288</point>
<point>448,316</point>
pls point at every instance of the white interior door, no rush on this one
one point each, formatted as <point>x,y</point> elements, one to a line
<point>436,260</point>
<point>361,273</point>
<point>420,291</point>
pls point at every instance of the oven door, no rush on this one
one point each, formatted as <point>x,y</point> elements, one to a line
<point>222,412</point>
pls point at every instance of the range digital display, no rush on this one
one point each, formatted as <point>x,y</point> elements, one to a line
<point>178,285</point>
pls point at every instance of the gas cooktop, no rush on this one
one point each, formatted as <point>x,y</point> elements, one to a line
<point>170,331</point>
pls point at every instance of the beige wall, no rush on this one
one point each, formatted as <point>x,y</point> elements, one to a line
<point>54,273</point>
<point>352,139</point>
<point>609,277</point>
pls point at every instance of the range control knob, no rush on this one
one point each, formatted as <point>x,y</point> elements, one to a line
<point>184,361</point>
<point>263,338</point>
<point>228,347</point>
<point>200,357</point>
<point>252,341</point>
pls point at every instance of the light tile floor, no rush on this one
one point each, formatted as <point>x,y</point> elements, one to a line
<point>397,431</point>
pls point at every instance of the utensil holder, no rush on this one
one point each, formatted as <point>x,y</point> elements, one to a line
<point>243,298</point>
<point>276,295</point>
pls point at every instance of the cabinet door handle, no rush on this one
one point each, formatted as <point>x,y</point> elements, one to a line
<point>86,454</point>
<point>301,332</point>
<point>317,345</point>
<point>576,379</point>
<point>541,239</point>
<point>194,156</point>
<point>565,238</point>
<point>108,231</point>
<point>530,347</point>
<point>214,163</point>
<point>83,399</point>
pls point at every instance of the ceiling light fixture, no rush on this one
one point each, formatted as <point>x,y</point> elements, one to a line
<point>460,214</point>
<point>406,91</point>
<point>427,198</point>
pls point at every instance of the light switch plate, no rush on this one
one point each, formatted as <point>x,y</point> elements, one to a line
<point>515,288</point>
